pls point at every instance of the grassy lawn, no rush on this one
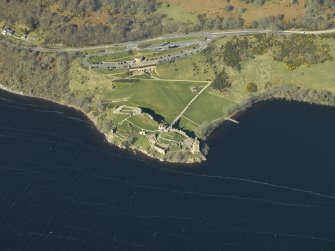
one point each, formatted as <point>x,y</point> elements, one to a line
<point>118,55</point>
<point>171,40</point>
<point>214,8</point>
<point>164,97</point>
<point>186,124</point>
<point>263,69</point>
<point>117,118</point>
<point>112,72</point>
<point>193,67</point>
<point>114,48</point>
<point>177,13</point>
<point>87,82</point>
<point>208,107</point>
<point>319,77</point>
<point>169,97</point>
<point>102,71</point>
<point>144,122</point>
<point>141,76</point>
<point>142,142</point>
<point>170,51</point>
<point>172,136</point>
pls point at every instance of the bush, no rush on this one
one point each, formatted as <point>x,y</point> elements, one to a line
<point>229,8</point>
<point>297,50</point>
<point>241,10</point>
<point>251,87</point>
<point>271,22</point>
<point>35,73</point>
<point>259,2</point>
<point>235,51</point>
<point>221,82</point>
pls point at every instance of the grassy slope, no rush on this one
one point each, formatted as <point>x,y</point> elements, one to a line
<point>165,98</point>
<point>158,42</point>
<point>169,98</point>
<point>144,123</point>
<point>252,11</point>
<point>184,69</point>
<point>263,69</point>
<point>177,13</point>
<point>260,70</point>
<point>208,107</point>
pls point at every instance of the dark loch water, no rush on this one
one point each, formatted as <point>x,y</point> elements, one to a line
<point>269,184</point>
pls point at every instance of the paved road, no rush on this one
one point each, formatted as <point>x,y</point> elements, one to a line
<point>167,57</point>
<point>209,35</point>
<point>199,46</point>
<point>191,47</point>
<point>133,45</point>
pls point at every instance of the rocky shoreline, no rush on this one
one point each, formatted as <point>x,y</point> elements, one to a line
<point>293,93</point>
<point>112,140</point>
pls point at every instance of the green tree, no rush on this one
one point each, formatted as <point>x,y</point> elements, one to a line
<point>221,82</point>
<point>32,23</point>
<point>251,87</point>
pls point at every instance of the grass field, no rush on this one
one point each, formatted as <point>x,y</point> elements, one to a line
<point>172,91</point>
<point>264,69</point>
<point>171,40</point>
<point>120,56</point>
<point>114,48</point>
<point>143,122</point>
<point>188,125</point>
<point>124,55</point>
<point>192,68</point>
<point>208,107</point>
<point>141,76</point>
<point>319,77</point>
<point>177,13</point>
<point>120,73</point>
<point>172,136</point>
<point>253,12</point>
<point>164,97</point>
<point>142,143</point>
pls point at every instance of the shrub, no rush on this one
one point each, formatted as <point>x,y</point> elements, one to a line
<point>221,82</point>
<point>251,87</point>
<point>229,8</point>
<point>297,50</point>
